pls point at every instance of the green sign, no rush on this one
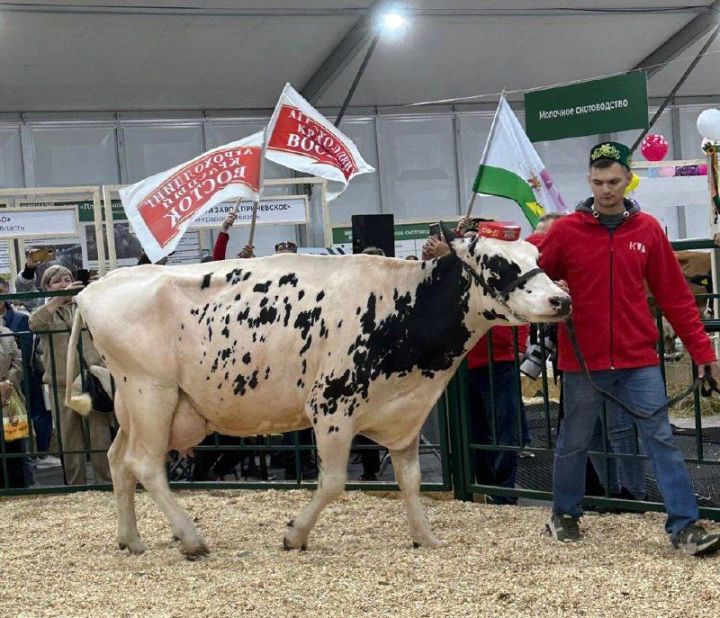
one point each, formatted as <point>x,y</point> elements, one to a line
<point>403,231</point>
<point>588,108</point>
<point>85,211</point>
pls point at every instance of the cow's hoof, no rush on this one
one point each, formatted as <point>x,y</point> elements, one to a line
<point>288,545</point>
<point>431,542</point>
<point>200,550</point>
<point>135,547</point>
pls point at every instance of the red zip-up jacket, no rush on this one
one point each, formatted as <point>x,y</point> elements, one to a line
<point>605,274</point>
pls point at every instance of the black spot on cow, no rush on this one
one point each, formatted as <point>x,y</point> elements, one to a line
<point>237,297</point>
<point>299,384</point>
<point>306,319</point>
<point>288,309</point>
<point>339,324</point>
<point>206,281</point>
<point>267,373</point>
<point>182,326</point>
<point>215,364</point>
<point>304,366</point>
<point>323,330</point>
<point>306,347</point>
<point>262,338</point>
<point>246,358</point>
<point>333,429</point>
<point>267,315</point>
<point>243,315</point>
<point>301,293</point>
<point>289,279</point>
<point>491,314</point>
<point>335,389</point>
<point>253,381</point>
<point>499,271</point>
<point>204,311</point>
<point>225,354</point>
<point>210,333</point>
<point>262,287</point>
<point>264,301</point>
<point>320,296</point>
<point>358,310</point>
<point>239,385</point>
<point>124,378</point>
<point>254,338</point>
<point>226,332</point>
<point>227,375</point>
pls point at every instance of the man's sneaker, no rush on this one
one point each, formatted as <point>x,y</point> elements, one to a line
<point>695,541</point>
<point>563,528</point>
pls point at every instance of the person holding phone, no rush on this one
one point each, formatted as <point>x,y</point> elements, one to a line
<point>57,315</point>
<point>25,281</point>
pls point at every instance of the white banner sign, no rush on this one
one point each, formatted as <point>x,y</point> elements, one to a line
<point>163,206</point>
<point>275,211</point>
<point>301,138</point>
<point>30,223</point>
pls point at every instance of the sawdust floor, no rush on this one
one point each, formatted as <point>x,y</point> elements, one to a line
<point>58,557</point>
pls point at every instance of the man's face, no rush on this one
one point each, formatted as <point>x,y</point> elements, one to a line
<point>608,184</point>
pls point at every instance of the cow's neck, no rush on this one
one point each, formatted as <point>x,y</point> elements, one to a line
<point>429,328</point>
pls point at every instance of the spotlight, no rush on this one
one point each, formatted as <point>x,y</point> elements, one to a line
<point>393,22</point>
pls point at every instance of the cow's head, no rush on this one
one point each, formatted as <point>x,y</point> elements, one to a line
<point>511,286</point>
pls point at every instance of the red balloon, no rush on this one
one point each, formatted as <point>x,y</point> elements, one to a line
<point>654,147</point>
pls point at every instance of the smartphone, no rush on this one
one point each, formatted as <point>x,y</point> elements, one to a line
<point>42,255</point>
<point>436,230</point>
<point>83,275</point>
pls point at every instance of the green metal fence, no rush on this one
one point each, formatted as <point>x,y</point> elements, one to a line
<point>447,457</point>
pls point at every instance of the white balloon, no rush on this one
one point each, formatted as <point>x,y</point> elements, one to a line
<point>708,124</point>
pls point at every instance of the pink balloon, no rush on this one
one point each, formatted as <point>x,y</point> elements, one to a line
<point>702,169</point>
<point>654,147</point>
<point>667,172</point>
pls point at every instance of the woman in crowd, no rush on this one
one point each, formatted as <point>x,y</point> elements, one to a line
<point>57,315</point>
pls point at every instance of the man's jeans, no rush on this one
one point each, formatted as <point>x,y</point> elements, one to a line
<point>643,391</point>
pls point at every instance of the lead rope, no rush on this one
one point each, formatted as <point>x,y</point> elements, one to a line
<point>706,383</point>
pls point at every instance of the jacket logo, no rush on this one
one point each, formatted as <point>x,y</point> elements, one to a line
<point>637,246</point>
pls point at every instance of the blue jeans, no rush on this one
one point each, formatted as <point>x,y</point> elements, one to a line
<point>496,467</point>
<point>643,390</point>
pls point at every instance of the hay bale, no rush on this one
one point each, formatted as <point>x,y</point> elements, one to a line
<point>60,558</point>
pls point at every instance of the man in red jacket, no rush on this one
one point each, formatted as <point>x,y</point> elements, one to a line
<point>604,251</point>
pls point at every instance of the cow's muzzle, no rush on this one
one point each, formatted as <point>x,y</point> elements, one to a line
<point>561,305</point>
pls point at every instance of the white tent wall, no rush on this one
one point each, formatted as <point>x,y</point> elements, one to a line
<point>426,162</point>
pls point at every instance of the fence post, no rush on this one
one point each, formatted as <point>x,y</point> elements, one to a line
<point>457,434</point>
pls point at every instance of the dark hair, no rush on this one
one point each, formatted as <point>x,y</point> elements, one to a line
<point>603,164</point>
<point>373,251</point>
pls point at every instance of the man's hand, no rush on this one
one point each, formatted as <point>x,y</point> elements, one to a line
<point>710,368</point>
<point>434,248</point>
<point>229,221</point>
<point>247,252</point>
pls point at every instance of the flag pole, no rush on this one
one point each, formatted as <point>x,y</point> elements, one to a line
<point>483,158</point>
<point>256,203</point>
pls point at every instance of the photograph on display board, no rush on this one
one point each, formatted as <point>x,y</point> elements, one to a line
<point>68,253</point>
<point>127,246</point>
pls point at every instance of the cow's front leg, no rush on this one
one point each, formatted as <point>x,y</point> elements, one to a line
<point>406,463</point>
<point>333,436</point>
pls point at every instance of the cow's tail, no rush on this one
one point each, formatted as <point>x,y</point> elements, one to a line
<point>81,403</point>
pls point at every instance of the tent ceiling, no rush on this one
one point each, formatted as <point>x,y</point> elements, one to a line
<point>220,54</point>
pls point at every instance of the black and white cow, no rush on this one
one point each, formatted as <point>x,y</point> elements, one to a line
<point>346,345</point>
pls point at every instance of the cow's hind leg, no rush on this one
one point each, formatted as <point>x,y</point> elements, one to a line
<point>406,463</point>
<point>151,407</point>
<point>333,444</point>
<point>124,483</point>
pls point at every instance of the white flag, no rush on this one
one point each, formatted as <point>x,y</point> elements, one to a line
<point>512,168</point>
<point>304,140</point>
<point>161,207</point>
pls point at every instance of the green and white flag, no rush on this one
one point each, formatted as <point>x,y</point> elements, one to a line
<point>511,168</point>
